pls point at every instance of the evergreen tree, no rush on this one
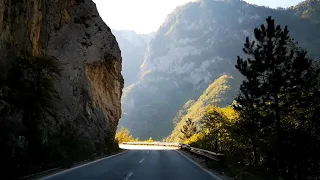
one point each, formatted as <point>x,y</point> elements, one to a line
<point>274,99</point>
<point>189,129</point>
<point>248,103</point>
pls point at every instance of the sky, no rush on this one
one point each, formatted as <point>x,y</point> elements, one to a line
<point>146,16</point>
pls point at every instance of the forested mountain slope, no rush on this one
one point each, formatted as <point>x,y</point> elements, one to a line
<point>309,9</point>
<point>220,93</point>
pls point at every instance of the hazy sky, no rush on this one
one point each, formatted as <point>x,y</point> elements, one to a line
<point>145,16</point>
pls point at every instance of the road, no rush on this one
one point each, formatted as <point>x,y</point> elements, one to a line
<point>138,165</point>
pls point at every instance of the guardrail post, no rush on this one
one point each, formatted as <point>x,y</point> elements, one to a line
<point>221,158</point>
<point>206,160</point>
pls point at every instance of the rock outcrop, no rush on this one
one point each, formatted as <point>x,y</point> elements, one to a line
<point>73,32</point>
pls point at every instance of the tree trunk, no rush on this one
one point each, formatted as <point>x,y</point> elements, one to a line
<point>256,156</point>
<point>278,130</point>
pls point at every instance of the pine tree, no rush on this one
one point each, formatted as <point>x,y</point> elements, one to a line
<point>280,81</point>
<point>189,129</point>
<point>247,105</point>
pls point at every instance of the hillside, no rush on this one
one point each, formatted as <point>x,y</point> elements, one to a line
<point>220,93</point>
<point>309,9</point>
<point>197,44</point>
<point>133,48</point>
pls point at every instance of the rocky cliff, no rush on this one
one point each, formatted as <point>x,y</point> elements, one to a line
<point>196,44</point>
<point>91,83</point>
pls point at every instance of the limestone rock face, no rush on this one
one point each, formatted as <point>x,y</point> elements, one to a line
<point>73,32</point>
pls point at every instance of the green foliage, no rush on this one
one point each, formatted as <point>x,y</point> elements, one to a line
<point>272,129</point>
<point>217,129</point>
<point>215,94</point>
<point>278,101</point>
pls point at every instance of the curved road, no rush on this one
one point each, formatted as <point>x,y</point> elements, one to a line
<point>138,165</point>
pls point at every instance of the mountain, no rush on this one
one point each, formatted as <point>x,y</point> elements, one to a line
<point>197,43</point>
<point>309,9</point>
<point>220,93</point>
<point>80,123</point>
<point>133,48</point>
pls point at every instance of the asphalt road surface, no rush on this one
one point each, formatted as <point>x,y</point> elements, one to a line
<point>138,165</point>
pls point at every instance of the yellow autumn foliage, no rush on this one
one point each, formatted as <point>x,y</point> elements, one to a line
<point>195,138</point>
<point>150,140</point>
<point>124,136</point>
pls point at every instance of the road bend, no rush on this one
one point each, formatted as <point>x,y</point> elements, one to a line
<point>141,164</point>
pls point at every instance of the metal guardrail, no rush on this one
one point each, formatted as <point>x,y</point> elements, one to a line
<point>207,155</point>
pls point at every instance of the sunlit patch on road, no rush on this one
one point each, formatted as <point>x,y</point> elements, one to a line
<point>146,147</point>
<point>149,146</point>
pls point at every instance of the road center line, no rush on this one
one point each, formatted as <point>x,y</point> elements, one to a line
<point>142,160</point>
<point>128,176</point>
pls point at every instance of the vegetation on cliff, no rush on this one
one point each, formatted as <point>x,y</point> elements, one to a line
<point>217,94</point>
<point>123,135</point>
<point>309,9</point>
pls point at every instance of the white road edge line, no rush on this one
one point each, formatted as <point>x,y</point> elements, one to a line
<point>195,163</point>
<point>142,160</point>
<point>80,166</point>
<point>128,176</point>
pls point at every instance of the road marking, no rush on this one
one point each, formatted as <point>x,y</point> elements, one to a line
<point>148,152</point>
<point>83,165</point>
<point>128,176</point>
<point>142,160</point>
<point>205,170</point>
